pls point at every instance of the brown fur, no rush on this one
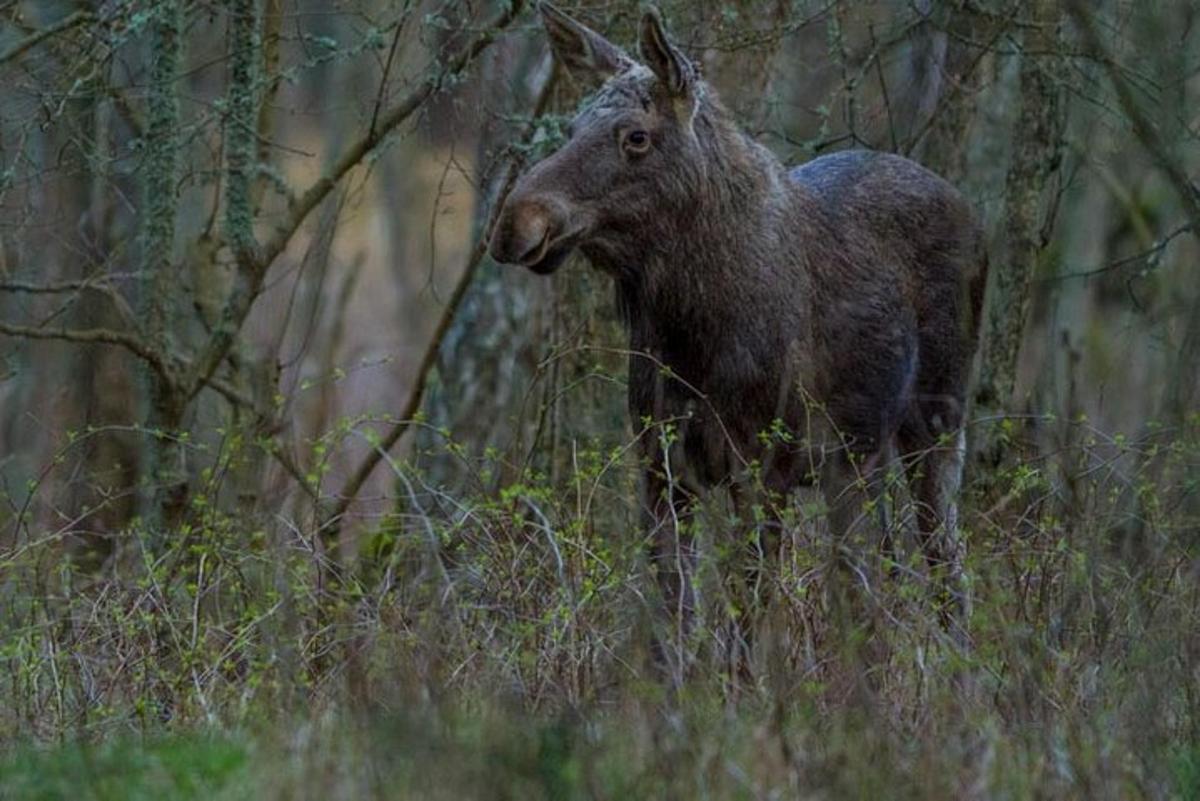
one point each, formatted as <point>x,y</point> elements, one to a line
<point>841,298</point>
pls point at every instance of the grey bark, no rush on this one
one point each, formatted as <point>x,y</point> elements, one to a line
<point>944,85</point>
<point>1036,157</point>
<point>164,456</point>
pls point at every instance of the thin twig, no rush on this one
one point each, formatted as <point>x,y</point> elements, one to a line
<point>254,260</point>
<point>130,342</point>
<point>331,524</point>
<point>37,37</point>
<point>1143,128</point>
<point>31,288</point>
<point>387,68</point>
<point>1141,256</point>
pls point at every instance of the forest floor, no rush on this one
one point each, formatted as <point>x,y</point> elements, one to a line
<point>501,648</point>
<point>718,756</point>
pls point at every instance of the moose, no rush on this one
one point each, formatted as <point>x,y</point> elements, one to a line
<point>840,299</point>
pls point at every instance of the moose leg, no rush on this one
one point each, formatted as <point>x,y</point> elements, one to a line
<point>672,555</point>
<point>937,473</point>
<point>879,480</point>
<point>854,485</point>
<point>756,554</point>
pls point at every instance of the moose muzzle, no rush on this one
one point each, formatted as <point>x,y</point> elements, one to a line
<point>533,232</point>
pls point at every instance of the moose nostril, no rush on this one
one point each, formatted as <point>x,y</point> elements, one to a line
<point>523,233</point>
<point>535,253</point>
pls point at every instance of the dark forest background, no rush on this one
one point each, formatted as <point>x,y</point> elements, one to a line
<point>301,495</point>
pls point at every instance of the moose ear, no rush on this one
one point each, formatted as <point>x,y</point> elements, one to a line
<point>672,67</point>
<point>580,49</point>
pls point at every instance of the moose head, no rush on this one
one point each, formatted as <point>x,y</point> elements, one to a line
<point>631,156</point>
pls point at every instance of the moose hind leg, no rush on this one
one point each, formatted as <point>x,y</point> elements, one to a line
<point>854,490</point>
<point>936,476</point>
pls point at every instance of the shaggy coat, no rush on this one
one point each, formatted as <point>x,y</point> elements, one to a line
<point>837,302</point>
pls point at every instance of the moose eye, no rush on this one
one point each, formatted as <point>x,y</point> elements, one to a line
<point>637,141</point>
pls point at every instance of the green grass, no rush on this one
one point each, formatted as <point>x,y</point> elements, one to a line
<point>1186,766</point>
<point>490,753</point>
<point>185,766</point>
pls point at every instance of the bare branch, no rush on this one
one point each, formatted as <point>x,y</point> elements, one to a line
<point>254,260</point>
<point>31,288</point>
<point>99,284</point>
<point>1143,128</point>
<point>37,37</point>
<point>387,67</point>
<point>332,523</point>
<point>1143,258</point>
<point>105,336</point>
<point>237,398</point>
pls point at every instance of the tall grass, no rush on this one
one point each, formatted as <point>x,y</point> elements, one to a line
<point>497,644</point>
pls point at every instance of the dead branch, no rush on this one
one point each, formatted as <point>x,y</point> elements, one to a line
<point>254,260</point>
<point>37,37</point>
<point>132,343</point>
<point>1143,128</point>
<point>331,524</point>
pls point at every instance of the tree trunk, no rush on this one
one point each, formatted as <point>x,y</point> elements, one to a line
<point>490,352</point>
<point>1036,157</point>
<point>946,81</point>
<point>164,458</point>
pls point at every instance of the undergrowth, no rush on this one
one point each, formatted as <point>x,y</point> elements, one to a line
<point>496,643</point>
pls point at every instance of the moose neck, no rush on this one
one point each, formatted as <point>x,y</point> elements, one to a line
<point>705,264</point>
